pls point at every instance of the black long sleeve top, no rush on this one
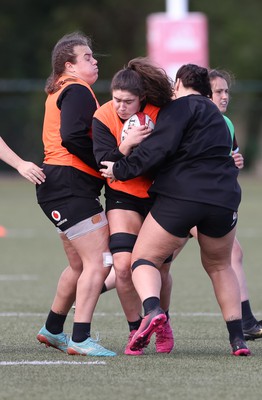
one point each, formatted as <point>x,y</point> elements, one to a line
<point>190,150</point>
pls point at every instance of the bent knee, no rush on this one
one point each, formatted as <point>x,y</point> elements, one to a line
<point>123,275</point>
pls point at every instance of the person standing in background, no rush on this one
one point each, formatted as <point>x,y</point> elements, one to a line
<point>220,84</point>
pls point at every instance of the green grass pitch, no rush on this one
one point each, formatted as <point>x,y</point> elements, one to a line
<point>200,367</point>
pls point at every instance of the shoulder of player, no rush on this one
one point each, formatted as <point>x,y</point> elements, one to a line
<point>104,109</point>
<point>228,120</point>
<point>76,89</point>
<point>76,94</point>
<point>229,124</point>
<point>176,107</point>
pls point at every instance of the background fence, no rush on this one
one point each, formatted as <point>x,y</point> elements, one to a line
<point>22,109</point>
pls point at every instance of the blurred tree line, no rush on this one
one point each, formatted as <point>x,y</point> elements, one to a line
<point>29,29</point>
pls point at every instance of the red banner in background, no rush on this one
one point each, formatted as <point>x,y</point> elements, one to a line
<point>174,42</point>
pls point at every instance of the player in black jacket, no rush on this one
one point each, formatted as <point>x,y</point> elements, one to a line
<point>195,185</point>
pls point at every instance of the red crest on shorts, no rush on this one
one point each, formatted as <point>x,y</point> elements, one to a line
<point>56,215</point>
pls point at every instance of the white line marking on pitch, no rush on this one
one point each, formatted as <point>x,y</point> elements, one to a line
<point>18,277</point>
<point>117,314</point>
<point>5,363</point>
<point>102,314</point>
<point>193,314</point>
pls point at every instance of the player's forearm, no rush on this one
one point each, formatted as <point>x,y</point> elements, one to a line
<point>8,155</point>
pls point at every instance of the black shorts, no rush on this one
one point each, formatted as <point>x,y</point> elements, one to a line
<point>124,201</point>
<point>68,211</point>
<point>179,216</point>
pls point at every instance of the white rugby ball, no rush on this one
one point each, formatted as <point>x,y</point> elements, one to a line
<point>137,119</point>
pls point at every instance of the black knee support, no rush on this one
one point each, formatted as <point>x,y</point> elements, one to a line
<point>142,261</point>
<point>120,242</point>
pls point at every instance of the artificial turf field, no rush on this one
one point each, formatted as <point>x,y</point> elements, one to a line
<point>200,367</point>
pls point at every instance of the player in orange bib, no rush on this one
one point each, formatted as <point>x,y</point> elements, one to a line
<point>140,87</point>
<point>70,195</point>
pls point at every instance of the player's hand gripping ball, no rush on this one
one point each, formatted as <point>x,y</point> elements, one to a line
<point>137,119</point>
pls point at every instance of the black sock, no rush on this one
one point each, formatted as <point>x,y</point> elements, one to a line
<point>81,331</point>
<point>133,326</point>
<point>55,322</point>
<point>247,316</point>
<point>104,289</point>
<point>167,315</point>
<point>150,304</point>
<point>235,329</point>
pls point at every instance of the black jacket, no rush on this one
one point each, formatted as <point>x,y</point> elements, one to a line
<point>189,150</point>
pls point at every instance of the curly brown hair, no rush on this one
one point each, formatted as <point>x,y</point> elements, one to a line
<point>141,78</point>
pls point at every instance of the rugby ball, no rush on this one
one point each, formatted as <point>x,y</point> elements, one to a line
<point>137,119</point>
